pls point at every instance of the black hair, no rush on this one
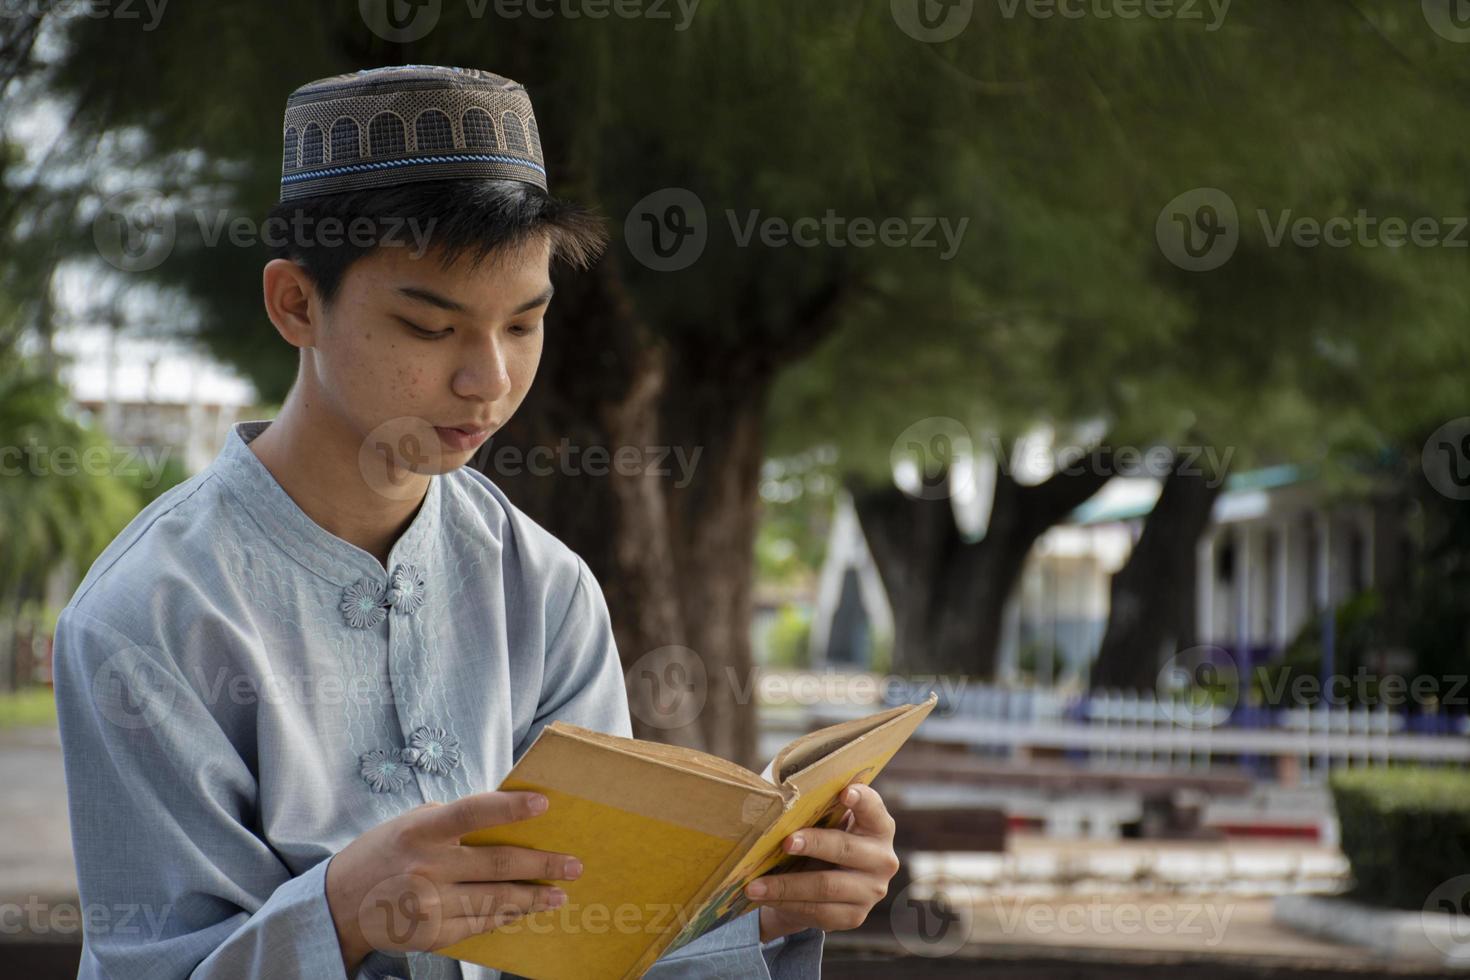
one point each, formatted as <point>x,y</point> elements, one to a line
<point>452,219</point>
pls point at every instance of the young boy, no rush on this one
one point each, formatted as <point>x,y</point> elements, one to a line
<point>293,682</point>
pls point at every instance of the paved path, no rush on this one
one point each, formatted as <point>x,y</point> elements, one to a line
<point>1054,936</point>
<point>35,839</point>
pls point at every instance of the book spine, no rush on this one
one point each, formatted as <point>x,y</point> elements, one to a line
<point>703,893</point>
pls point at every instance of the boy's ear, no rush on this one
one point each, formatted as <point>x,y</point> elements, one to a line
<point>292,303</point>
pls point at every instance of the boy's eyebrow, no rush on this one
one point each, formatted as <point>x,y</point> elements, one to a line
<point>445,303</point>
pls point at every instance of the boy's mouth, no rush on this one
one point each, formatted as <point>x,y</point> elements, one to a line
<point>461,438</point>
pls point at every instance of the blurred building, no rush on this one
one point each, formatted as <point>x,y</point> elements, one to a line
<point>1276,554</point>
<point>158,400</point>
<point>154,395</point>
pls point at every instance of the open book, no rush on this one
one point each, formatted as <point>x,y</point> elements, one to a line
<point>668,838</point>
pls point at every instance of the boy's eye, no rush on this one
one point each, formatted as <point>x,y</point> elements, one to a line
<point>427,334</point>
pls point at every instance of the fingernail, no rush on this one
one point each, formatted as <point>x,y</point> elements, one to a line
<point>573,869</point>
<point>756,889</point>
<point>797,843</point>
<point>852,795</point>
<point>539,804</point>
<point>557,897</point>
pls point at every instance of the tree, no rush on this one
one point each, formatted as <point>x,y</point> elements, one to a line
<point>779,111</point>
<point>1079,313</point>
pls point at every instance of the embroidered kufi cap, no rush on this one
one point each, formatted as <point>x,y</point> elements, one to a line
<point>387,126</point>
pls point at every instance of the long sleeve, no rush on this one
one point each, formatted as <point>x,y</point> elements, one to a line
<point>582,683</point>
<point>795,957</point>
<point>160,805</point>
<point>735,950</point>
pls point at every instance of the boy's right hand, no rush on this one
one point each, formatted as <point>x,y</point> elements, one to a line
<point>410,885</point>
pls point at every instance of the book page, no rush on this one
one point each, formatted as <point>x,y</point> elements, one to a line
<point>808,749</point>
<point>812,802</point>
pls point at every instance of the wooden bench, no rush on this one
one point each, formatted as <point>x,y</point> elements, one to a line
<point>920,827</point>
<point>1172,804</point>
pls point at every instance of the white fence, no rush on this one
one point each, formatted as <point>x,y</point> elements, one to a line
<point>1132,730</point>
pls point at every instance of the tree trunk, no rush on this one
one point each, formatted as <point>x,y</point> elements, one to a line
<point>672,545</point>
<point>949,595</point>
<point>1152,606</point>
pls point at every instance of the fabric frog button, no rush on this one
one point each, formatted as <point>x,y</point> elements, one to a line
<point>432,750</point>
<point>362,604</point>
<point>384,771</point>
<point>406,590</point>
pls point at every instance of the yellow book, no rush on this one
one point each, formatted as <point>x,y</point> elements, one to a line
<point>668,838</point>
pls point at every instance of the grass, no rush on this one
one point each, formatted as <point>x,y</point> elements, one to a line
<point>33,706</point>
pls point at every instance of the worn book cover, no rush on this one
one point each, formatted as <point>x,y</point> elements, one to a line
<point>668,838</point>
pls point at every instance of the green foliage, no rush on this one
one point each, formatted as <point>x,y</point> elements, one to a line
<point>1058,142</point>
<point>1062,307</point>
<point>146,489</point>
<point>1404,831</point>
<point>1030,658</point>
<point>797,497</point>
<point>789,636</point>
<point>1415,633</point>
<point>1436,616</point>
<point>49,517</point>
<point>31,707</point>
<point>881,661</point>
<point>1362,632</point>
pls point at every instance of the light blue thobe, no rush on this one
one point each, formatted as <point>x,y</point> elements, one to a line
<point>241,694</point>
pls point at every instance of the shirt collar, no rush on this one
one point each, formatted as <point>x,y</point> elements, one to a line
<point>306,541</point>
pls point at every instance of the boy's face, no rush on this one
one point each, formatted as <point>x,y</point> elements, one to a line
<point>426,360</point>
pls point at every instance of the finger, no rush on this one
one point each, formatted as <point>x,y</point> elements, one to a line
<point>480,907</point>
<point>508,863</point>
<point>816,886</point>
<point>846,850</point>
<point>478,810</point>
<point>872,818</point>
<point>834,916</point>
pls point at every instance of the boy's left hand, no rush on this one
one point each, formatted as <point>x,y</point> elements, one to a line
<point>839,897</point>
